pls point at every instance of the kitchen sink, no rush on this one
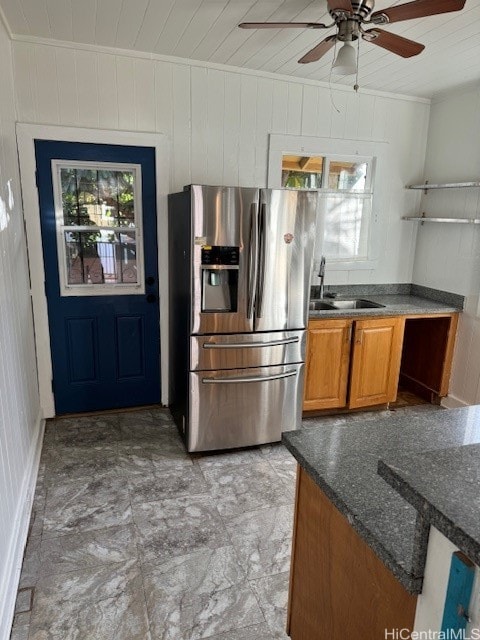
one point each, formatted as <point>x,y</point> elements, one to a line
<point>339,305</point>
<point>320,305</point>
<point>356,304</point>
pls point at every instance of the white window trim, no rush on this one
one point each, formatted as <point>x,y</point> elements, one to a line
<point>333,148</point>
<point>79,290</point>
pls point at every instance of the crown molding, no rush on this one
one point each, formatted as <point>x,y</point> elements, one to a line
<point>141,55</point>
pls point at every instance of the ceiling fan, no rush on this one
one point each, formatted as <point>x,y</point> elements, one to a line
<point>350,16</point>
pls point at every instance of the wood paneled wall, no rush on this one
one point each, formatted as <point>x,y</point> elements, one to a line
<point>19,405</point>
<point>218,120</point>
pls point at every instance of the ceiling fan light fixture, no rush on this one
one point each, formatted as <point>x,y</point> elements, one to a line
<point>345,63</point>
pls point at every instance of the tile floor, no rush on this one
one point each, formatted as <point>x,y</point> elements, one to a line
<point>132,538</point>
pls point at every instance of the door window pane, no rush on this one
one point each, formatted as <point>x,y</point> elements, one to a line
<point>102,257</point>
<point>97,197</point>
<point>98,225</point>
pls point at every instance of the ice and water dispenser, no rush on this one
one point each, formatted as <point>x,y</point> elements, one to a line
<point>220,278</point>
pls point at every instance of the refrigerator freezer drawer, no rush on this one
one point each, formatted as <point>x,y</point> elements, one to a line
<point>239,351</point>
<point>243,407</point>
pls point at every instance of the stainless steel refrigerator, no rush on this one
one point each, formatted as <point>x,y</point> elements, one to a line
<point>240,262</point>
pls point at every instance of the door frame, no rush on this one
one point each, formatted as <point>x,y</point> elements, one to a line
<point>26,136</point>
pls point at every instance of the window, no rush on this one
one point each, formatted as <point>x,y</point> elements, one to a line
<point>344,185</point>
<point>98,220</point>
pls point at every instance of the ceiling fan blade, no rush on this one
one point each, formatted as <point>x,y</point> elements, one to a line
<point>418,9</point>
<point>340,5</point>
<point>394,43</point>
<point>282,25</point>
<point>320,50</point>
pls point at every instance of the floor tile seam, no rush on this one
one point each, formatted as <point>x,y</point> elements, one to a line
<point>144,592</point>
<point>177,495</point>
<point>250,626</point>
<point>212,483</point>
<point>85,447</point>
<point>75,481</point>
<point>130,562</point>
<point>87,476</point>
<point>54,514</point>
<point>277,502</point>
<point>65,535</point>
<point>252,511</point>
<point>40,511</point>
<point>62,448</point>
<point>282,480</point>
<point>114,457</point>
<point>155,475</point>
<point>264,613</point>
<point>149,569</point>
<point>19,627</point>
<point>242,583</point>
<point>46,536</point>
<point>124,564</point>
<point>230,465</point>
<point>265,575</point>
<point>95,566</point>
<point>231,534</point>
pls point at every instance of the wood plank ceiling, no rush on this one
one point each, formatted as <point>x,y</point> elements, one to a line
<point>207,30</point>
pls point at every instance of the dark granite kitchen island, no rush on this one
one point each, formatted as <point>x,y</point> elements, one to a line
<point>342,461</point>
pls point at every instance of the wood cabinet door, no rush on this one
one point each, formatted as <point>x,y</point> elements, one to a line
<point>328,355</point>
<point>377,352</point>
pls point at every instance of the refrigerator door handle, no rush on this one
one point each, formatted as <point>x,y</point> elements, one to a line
<point>252,261</point>
<point>249,345</point>
<point>279,376</point>
<point>262,256</point>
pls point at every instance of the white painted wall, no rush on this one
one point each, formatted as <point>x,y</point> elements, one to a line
<point>431,602</point>
<point>219,120</point>
<point>448,256</point>
<point>20,427</point>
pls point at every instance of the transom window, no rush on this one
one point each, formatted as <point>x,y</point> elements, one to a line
<point>99,227</point>
<point>345,188</point>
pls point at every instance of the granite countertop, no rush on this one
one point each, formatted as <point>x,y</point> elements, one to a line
<point>444,487</point>
<point>343,460</point>
<point>397,300</point>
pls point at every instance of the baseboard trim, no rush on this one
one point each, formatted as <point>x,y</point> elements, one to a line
<point>452,402</point>
<point>13,565</point>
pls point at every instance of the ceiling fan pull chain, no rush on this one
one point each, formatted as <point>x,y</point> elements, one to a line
<point>356,86</point>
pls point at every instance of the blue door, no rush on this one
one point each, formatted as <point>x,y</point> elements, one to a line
<point>99,235</point>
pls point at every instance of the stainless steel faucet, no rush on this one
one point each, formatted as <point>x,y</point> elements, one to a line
<point>321,275</point>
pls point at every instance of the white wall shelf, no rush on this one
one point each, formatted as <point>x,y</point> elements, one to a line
<point>447,220</point>
<point>446,185</point>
